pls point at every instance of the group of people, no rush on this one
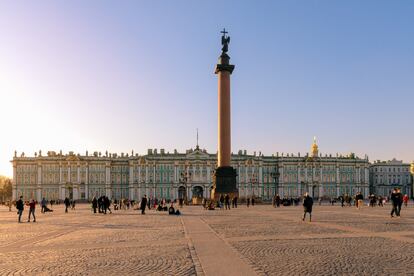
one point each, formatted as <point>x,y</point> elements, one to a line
<point>20,208</point>
<point>397,200</point>
<point>102,204</point>
<point>285,201</point>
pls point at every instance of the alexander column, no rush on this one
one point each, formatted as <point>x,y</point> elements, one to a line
<point>225,175</point>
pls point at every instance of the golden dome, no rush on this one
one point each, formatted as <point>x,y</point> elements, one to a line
<point>412,167</point>
<point>314,149</point>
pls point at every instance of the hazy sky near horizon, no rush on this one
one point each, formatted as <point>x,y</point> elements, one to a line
<point>123,75</point>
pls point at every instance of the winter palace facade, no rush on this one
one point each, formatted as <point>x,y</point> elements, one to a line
<point>185,175</point>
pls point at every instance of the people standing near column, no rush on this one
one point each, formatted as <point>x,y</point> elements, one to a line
<point>67,204</point>
<point>227,201</point>
<point>32,206</point>
<point>235,201</point>
<point>94,204</point>
<point>143,204</point>
<point>221,201</point>
<point>252,201</point>
<point>307,206</point>
<point>20,208</point>
<point>248,202</point>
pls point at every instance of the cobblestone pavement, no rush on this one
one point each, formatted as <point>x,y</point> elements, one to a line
<point>259,240</point>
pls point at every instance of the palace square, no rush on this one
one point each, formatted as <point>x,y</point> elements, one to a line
<point>260,240</point>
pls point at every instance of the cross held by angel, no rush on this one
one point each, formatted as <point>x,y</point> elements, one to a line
<point>225,40</point>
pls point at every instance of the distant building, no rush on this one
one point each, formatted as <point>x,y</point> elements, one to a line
<point>185,175</point>
<point>387,175</point>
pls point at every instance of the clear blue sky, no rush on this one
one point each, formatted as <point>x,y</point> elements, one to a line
<point>123,75</point>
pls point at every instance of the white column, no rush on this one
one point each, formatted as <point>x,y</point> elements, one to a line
<point>86,182</point>
<point>131,181</point>
<point>108,180</point>
<point>146,175</point>
<point>320,182</point>
<point>14,183</point>
<point>39,183</point>
<point>139,174</point>
<point>299,184</point>
<point>281,180</point>
<point>69,171</point>
<point>78,173</point>
<point>60,174</point>
<point>209,175</point>
<point>175,173</point>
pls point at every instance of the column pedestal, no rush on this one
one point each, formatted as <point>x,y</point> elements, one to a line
<point>224,183</point>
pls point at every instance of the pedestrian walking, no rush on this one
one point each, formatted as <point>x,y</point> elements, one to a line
<point>44,203</point>
<point>227,201</point>
<point>307,206</point>
<point>405,200</point>
<point>396,199</point>
<point>359,200</point>
<point>20,208</point>
<point>67,204</point>
<point>32,206</point>
<point>143,204</point>
<point>277,200</point>
<point>248,202</point>
<point>94,204</point>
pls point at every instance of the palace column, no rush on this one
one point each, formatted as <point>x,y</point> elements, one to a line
<point>86,181</point>
<point>131,181</point>
<point>14,183</point>
<point>39,182</point>
<point>76,189</point>
<point>225,175</point>
<point>281,181</point>
<point>320,182</point>
<point>299,183</point>
<point>337,181</point>
<point>61,186</point>
<point>366,182</point>
<point>260,180</point>
<point>139,183</point>
<point>108,179</point>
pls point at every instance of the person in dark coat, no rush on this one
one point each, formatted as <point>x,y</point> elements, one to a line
<point>396,199</point>
<point>32,207</point>
<point>221,201</point>
<point>307,206</point>
<point>94,204</point>
<point>400,202</point>
<point>107,204</point>
<point>67,204</point>
<point>227,201</point>
<point>20,207</point>
<point>144,202</point>
<point>277,200</point>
